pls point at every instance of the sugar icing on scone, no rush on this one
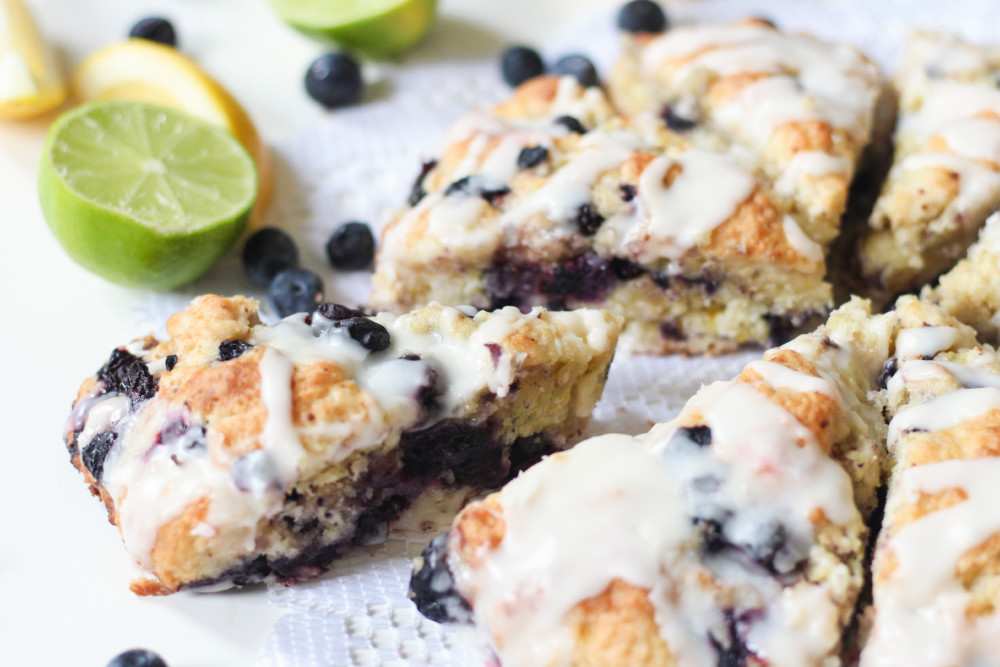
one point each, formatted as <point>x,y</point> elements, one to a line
<point>732,535</point>
<point>971,289</point>
<point>235,452</point>
<point>552,200</point>
<point>936,583</point>
<point>945,179</point>
<point>796,108</point>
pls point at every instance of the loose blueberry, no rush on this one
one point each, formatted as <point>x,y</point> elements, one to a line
<point>588,220</point>
<point>230,349</point>
<point>351,247</point>
<point>295,291</point>
<point>170,361</point>
<point>627,191</point>
<point>578,67</point>
<point>372,335</point>
<point>432,586</point>
<point>417,192</point>
<point>571,124</point>
<point>675,121</point>
<point>337,312</point>
<point>96,451</point>
<point>532,156</point>
<point>642,16</point>
<point>267,253</point>
<point>155,29</point>
<point>334,80</point>
<point>520,63</point>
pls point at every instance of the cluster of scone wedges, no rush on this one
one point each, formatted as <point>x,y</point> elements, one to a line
<point>691,206</point>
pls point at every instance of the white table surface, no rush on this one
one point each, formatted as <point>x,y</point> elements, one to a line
<point>63,571</point>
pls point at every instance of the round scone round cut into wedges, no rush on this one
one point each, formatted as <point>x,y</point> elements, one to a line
<point>235,452</point>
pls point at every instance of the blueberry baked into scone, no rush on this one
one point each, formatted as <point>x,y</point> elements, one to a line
<point>234,452</point>
<point>936,580</point>
<point>554,199</point>
<point>732,535</point>
<point>971,289</point>
<point>945,178</point>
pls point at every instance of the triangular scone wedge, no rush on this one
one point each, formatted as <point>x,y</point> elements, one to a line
<point>733,535</point>
<point>549,200</point>
<point>236,452</point>
<point>971,289</point>
<point>936,574</point>
<point>798,109</point>
<point>945,178</point>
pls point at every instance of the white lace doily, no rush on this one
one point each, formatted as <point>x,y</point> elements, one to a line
<point>360,163</point>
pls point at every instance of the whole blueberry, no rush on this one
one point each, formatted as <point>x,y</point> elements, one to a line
<point>351,247</point>
<point>337,312</point>
<point>230,349</point>
<point>571,124</point>
<point>137,657</point>
<point>267,253</point>
<point>520,63</point>
<point>531,156</point>
<point>578,67</point>
<point>155,29</point>
<point>372,335</point>
<point>642,16</point>
<point>334,80</point>
<point>295,291</point>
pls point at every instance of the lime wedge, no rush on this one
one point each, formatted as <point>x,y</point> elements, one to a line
<point>144,195</point>
<point>376,28</point>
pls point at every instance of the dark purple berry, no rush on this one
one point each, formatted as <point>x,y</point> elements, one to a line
<point>627,191</point>
<point>372,335</point>
<point>642,16</point>
<point>531,156</point>
<point>351,247</point>
<point>578,67</point>
<point>675,121</point>
<point>170,361</point>
<point>432,586</point>
<point>417,192</point>
<point>713,538</point>
<point>571,124</point>
<point>230,349</point>
<point>732,649</point>
<point>520,63</point>
<point>889,368</point>
<point>155,29</point>
<point>588,220</point>
<point>295,291</point>
<point>337,312</point>
<point>625,269</point>
<point>429,393</point>
<point>96,451</point>
<point>267,253</point>
<point>476,185</point>
<point>334,80</point>
<point>138,384</point>
<point>699,435</point>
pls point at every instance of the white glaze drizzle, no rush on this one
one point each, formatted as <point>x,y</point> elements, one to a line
<point>798,239</point>
<point>978,185</point>
<point>944,411</point>
<point>924,341</point>
<point>783,377</point>
<point>806,164</point>
<point>921,616</point>
<point>279,437</point>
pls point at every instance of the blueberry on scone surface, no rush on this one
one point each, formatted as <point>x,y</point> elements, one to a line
<point>732,535</point>
<point>936,572</point>
<point>945,177</point>
<point>553,199</point>
<point>234,452</point>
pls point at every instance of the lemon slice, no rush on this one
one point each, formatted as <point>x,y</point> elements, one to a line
<point>374,27</point>
<point>30,80</point>
<point>144,195</point>
<point>145,71</point>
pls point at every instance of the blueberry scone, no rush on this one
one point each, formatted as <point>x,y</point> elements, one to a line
<point>733,535</point>
<point>234,452</point>
<point>797,109</point>
<point>936,571</point>
<point>971,289</point>
<point>553,200</point>
<point>945,178</point>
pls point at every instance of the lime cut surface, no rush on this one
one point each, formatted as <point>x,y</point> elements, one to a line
<point>144,195</point>
<point>374,27</point>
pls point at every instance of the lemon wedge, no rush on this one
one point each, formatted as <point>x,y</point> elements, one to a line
<point>30,80</point>
<point>144,71</point>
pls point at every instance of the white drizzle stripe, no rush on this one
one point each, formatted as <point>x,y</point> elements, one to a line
<point>921,610</point>
<point>279,437</point>
<point>783,377</point>
<point>798,239</point>
<point>979,186</point>
<point>806,164</point>
<point>924,341</point>
<point>945,411</point>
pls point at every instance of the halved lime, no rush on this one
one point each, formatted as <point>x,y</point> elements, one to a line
<point>144,195</point>
<point>374,27</point>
